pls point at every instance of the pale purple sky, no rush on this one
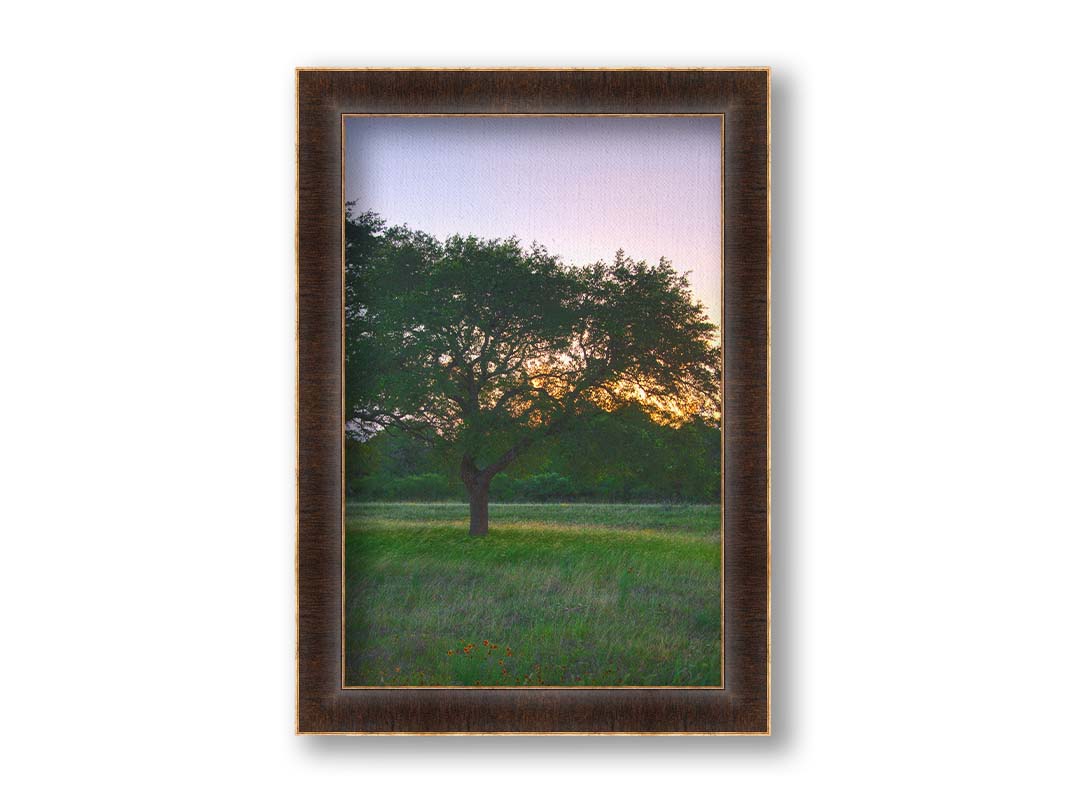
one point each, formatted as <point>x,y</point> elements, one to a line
<point>581,186</point>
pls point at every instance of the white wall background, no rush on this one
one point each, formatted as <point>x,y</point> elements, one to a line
<point>146,428</point>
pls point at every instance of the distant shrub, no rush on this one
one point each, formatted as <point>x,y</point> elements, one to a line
<point>642,493</point>
<point>611,489</point>
<point>367,487</point>
<point>428,486</point>
<point>503,488</point>
<point>546,486</point>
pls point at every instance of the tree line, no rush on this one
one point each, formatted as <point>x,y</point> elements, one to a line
<point>620,457</point>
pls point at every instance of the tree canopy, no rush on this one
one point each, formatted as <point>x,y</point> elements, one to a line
<point>486,347</point>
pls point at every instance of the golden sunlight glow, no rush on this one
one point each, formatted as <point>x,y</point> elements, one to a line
<point>674,410</point>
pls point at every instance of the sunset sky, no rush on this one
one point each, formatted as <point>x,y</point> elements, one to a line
<point>581,186</point>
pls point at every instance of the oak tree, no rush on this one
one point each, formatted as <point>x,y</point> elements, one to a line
<point>487,347</point>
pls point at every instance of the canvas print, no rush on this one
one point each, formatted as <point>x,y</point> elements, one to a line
<point>533,395</point>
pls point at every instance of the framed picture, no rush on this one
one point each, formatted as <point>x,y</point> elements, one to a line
<point>533,401</point>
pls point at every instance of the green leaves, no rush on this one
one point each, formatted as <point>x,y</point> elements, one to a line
<point>487,346</point>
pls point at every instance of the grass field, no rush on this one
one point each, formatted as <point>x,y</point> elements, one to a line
<point>556,595</point>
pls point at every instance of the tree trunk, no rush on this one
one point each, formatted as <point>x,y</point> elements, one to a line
<point>477,483</point>
<point>478,493</point>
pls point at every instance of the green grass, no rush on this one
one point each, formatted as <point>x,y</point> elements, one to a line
<point>564,594</point>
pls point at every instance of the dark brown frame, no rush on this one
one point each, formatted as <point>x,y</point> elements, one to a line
<point>742,706</point>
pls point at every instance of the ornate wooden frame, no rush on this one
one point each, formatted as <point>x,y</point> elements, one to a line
<point>742,705</point>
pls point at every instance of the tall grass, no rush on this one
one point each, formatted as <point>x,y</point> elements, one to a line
<point>556,595</point>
